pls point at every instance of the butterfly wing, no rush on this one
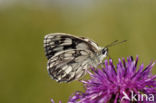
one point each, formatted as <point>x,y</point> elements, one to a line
<point>69,65</point>
<point>57,42</point>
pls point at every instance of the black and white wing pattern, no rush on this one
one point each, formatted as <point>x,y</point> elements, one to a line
<point>68,56</point>
<point>58,42</point>
<point>69,65</point>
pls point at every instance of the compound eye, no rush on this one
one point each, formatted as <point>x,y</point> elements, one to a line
<point>104,51</point>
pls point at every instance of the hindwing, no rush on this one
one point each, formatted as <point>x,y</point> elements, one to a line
<point>69,65</point>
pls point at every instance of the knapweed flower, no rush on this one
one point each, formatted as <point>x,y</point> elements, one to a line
<point>116,84</point>
<point>123,83</point>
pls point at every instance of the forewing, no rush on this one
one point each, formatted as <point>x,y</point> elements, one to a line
<point>68,65</point>
<point>58,42</point>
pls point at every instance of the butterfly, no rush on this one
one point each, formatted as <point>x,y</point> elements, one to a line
<point>69,56</point>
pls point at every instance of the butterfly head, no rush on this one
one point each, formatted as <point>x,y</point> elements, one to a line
<point>103,53</point>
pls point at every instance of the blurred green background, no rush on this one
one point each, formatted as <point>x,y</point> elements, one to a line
<point>23,24</point>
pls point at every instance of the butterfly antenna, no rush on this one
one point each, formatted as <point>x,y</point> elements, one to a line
<point>115,43</point>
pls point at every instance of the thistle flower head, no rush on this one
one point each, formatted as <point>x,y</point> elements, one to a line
<point>108,85</point>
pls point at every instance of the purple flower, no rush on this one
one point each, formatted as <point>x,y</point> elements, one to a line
<point>111,83</point>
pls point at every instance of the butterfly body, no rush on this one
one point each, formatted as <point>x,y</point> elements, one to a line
<point>69,56</point>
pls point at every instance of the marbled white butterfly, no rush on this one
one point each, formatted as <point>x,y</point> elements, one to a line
<point>69,56</point>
